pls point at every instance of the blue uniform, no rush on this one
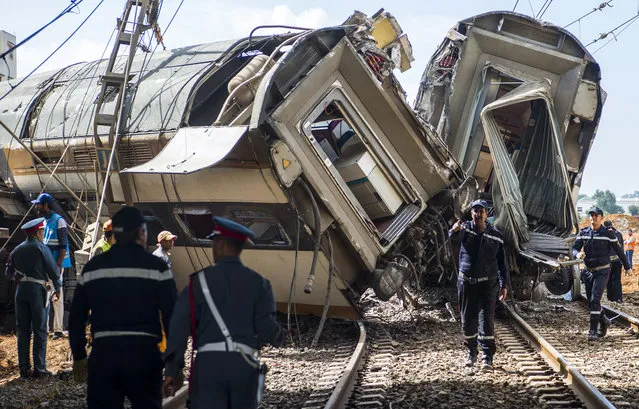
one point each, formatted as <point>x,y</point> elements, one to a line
<point>34,260</point>
<point>482,271</point>
<point>613,289</point>
<point>597,245</point>
<point>245,301</point>
<point>127,290</point>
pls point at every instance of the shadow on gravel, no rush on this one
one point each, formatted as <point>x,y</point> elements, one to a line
<point>284,400</point>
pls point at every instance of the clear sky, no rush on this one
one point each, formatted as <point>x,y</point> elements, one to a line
<point>614,158</point>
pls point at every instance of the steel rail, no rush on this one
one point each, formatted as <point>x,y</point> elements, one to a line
<point>341,393</point>
<point>584,390</point>
<point>618,317</point>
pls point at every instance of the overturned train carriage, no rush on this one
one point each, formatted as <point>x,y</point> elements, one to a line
<point>307,139</point>
<point>517,102</point>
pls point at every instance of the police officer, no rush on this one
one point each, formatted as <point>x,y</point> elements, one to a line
<point>31,265</point>
<point>613,289</point>
<point>594,245</point>
<point>482,275</point>
<point>230,311</point>
<point>126,289</point>
<point>55,237</point>
<point>108,239</point>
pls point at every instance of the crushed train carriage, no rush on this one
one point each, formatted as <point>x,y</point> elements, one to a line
<point>307,138</point>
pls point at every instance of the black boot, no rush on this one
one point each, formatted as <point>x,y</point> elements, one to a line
<point>592,334</point>
<point>604,323</point>
<point>470,359</point>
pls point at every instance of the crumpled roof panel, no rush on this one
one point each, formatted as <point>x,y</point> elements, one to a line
<point>160,87</point>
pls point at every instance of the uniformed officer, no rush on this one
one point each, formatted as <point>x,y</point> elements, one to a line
<point>482,275</point>
<point>126,289</point>
<point>108,239</point>
<point>594,245</point>
<point>55,237</point>
<point>230,312</point>
<point>613,289</point>
<point>31,265</point>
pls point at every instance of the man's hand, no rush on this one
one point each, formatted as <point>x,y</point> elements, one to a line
<point>457,226</point>
<point>581,255</point>
<point>80,370</point>
<point>628,271</point>
<point>55,296</point>
<point>171,385</point>
<point>502,294</point>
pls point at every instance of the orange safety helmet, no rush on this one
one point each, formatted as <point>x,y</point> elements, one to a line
<point>108,226</point>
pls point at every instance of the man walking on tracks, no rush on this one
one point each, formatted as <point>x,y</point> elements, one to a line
<point>31,265</point>
<point>613,289</point>
<point>229,311</point>
<point>594,245</point>
<point>125,289</point>
<point>482,275</point>
<point>55,237</point>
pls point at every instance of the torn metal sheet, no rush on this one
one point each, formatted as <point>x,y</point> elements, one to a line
<point>534,183</point>
<point>192,149</point>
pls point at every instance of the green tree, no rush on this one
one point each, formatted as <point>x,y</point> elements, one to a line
<point>581,196</point>
<point>607,201</point>
<point>633,209</point>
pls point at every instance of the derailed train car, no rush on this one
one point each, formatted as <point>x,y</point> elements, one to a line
<point>307,138</point>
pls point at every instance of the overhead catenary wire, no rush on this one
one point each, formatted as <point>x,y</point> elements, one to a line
<point>606,34</point>
<point>67,9</point>
<point>515,6</point>
<point>53,52</point>
<point>544,9</point>
<point>617,35</point>
<point>598,8</point>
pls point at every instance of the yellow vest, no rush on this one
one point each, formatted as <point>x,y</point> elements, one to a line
<point>101,245</point>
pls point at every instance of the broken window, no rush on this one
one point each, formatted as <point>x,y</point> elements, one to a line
<point>197,222</point>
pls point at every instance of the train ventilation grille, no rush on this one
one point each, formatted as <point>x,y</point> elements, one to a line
<point>84,157</point>
<point>134,153</point>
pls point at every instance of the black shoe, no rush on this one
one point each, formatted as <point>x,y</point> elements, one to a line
<point>38,374</point>
<point>487,363</point>
<point>604,323</point>
<point>26,374</point>
<point>57,335</point>
<point>592,336</point>
<point>470,360</point>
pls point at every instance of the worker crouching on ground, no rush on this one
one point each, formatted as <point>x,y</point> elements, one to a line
<point>613,288</point>
<point>229,311</point>
<point>108,239</point>
<point>482,275</point>
<point>31,265</point>
<point>594,245</point>
<point>126,289</point>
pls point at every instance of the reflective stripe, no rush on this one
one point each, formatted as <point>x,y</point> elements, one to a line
<point>469,231</point>
<point>592,270</point>
<point>614,258</point>
<point>221,347</point>
<point>494,238</point>
<point>104,334</point>
<point>485,337</point>
<point>32,280</point>
<point>53,242</point>
<point>595,312</point>
<point>144,273</point>
<point>470,336</point>
<point>216,314</point>
<point>599,238</point>
<point>473,280</point>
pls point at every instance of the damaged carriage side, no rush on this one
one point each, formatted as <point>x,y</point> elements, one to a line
<point>518,102</point>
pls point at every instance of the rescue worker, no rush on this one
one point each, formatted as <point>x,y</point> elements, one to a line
<point>125,289</point>
<point>31,265</point>
<point>55,237</point>
<point>230,312</point>
<point>108,239</point>
<point>629,247</point>
<point>166,240</point>
<point>482,276</point>
<point>613,288</point>
<point>594,245</point>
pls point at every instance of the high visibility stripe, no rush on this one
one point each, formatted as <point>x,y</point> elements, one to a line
<point>221,347</point>
<point>485,337</point>
<point>104,334</point>
<point>469,231</point>
<point>494,238</point>
<point>470,336</point>
<point>595,312</point>
<point>143,273</point>
<point>598,238</point>
<point>52,242</point>
<point>32,280</point>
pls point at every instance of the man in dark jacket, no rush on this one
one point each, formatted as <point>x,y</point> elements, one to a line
<point>482,275</point>
<point>613,289</point>
<point>127,291</point>
<point>594,245</point>
<point>31,265</point>
<point>230,311</point>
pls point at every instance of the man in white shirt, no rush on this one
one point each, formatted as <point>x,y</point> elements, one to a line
<point>166,240</point>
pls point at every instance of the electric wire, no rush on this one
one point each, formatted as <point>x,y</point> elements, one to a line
<point>67,9</point>
<point>617,35</point>
<point>544,10</point>
<point>52,53</point>
<point>605,35</point>
<point>531,9</point>
<point>515,6</point>
<point>598,8</point>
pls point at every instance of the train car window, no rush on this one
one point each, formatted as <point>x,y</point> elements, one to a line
<point>268,230</point>
<point>153,227</point>
<point>197,222</point>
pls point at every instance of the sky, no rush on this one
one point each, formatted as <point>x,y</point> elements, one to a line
<point>614,155</point>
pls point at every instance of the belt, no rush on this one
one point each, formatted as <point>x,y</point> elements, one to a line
<point>473,280</point>
<point>221,347</point>
<point>104,334</point>
<point>592,270</point>
<point>32,280</point>
<point>614,258</point>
